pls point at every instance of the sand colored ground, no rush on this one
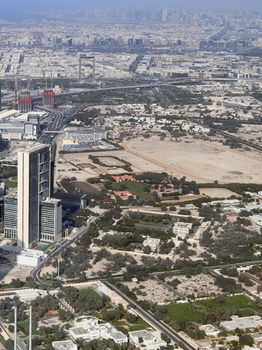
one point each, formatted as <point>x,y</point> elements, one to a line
<point>198,160</point>
<point>217,192</point>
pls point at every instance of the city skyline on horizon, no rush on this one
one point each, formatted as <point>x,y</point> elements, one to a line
<point>17,9</point>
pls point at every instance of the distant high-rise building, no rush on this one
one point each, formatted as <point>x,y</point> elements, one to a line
<point>25,102</point>
<point>164,15</point>
<point>50,220</point>
<point>10,216</point>
<point>33,187</point>
<point>49,98</point>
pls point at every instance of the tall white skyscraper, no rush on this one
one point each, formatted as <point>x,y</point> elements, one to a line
<point>34,173</point>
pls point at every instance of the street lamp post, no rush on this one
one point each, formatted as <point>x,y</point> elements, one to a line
<point>15,327</point>
<point>30,329</point>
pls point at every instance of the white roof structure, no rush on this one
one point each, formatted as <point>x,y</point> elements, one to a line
<point>242,323</point>
<point>27,295</point>
<point>151,339</point>
<point>64,345</point>
<point>90,328</point>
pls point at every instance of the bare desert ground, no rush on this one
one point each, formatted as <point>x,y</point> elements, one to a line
<point>199,160</point>
<point>202,161</point>
<point>217,192</point>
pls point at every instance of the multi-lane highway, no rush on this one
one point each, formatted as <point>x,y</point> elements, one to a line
<point>59,249</point>
<point>58,118</point>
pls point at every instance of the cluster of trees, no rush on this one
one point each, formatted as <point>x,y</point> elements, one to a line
<point>85,300</point>
<point>8,171</point>
<point>40,306</point>
<point>103,345</point>
<point>235,243</point>
<point>228,285</point>
<point>181,185</point>
<point>153,178</point>
<point>99,160</point>
<point>210,213</point>
<point>68,185</point>
<point>46,335</point>
<point>123,241</point>
<point>244,278</point>
<point>149,265</point>
<point>229,271</point>
<point>79,256</point>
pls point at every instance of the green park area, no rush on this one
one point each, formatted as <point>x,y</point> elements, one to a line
<point>205,310</point>
<point>126,325</point>
<point>139,189</point>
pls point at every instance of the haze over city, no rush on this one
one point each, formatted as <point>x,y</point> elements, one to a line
<point>131,175</point>
<point>19,9</point>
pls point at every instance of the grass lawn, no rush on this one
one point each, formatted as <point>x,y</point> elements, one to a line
<point>11,183</point>
<point>185,312</point>
<point>239,302</point>
<point>125,327</point>
<point>23,326</point>
<point>154,227</point>
<point>137,188</point>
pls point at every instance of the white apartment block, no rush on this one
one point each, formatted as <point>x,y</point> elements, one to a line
<point>153,243</point>
<point>147,339</point>
<point>90,328</point>
<point>182,229</point>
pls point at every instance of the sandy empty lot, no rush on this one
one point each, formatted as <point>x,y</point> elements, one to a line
<point>111,162</point>
<point>198,160</point>
<point>217,192</point>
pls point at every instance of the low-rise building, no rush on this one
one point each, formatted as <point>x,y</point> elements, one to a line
<point>153,243</point>
<point>64,345</point>
<point>210,330</point>
<point>148,339</point>
<point>90,328</point>
<point>257,339</point>
<point>74,135</point>
<point>123,178</point>
<point>256,221</point>
<point>242,323</point>
<point>123,195</point>
<point>182,229</point>
<point>29,258</point>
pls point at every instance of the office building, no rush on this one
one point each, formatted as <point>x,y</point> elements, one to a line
<point>49,98</point>
<point>10,216</point>
<point>33,187</point>
<point>25,102</point>
<point>50,220</point>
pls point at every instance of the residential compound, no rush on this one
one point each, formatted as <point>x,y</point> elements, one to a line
<point>30,215</point>
<point>90,328</point>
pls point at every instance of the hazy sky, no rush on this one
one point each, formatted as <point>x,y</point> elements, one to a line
<point>14,8</point>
